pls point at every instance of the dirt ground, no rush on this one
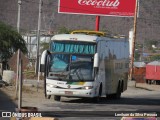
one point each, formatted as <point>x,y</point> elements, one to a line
<point>28,92</point>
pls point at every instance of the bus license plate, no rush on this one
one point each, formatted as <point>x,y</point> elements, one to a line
<point>68,92</point>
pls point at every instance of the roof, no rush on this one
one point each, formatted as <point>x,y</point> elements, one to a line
<point>89,32</point>
<point>139,64</point>
<point>84,38</point>
<point>75,37</point>
<point>154,63</point>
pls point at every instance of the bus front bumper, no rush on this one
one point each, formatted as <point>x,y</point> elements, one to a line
<point>90,93</point>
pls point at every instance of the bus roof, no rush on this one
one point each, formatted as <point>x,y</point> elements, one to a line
<point>89,32</point>
<point>74,37</point>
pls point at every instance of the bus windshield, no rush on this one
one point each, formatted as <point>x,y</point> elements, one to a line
<point>73,47</point>
<point>71,67</point>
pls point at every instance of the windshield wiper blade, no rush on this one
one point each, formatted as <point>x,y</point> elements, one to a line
<point>58,75</point>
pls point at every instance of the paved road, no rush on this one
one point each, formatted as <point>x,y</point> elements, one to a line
<point>133,100</point>
<point>6,104</point>
<point>6,101</point>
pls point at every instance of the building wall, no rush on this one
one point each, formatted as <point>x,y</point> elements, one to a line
<point>153,72</point>
<point>139,74</point>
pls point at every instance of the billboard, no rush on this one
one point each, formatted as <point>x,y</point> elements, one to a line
<point>122,8</point>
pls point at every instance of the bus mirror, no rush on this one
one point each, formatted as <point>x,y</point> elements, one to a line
<point>96,60</point>
<point>43,60</point>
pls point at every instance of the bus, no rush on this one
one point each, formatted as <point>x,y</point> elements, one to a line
<point>85,65</point>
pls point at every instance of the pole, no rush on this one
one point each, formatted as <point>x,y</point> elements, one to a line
<point>133,42</point>
<point>29,47</point>
<point>38,76</point>
<point>20,83</point>
<point>19,12</point>
<point>97,23</point>
<point>138,8</point>
<point>17,75</point>
<point>18,29</point>
<point>38,35</point>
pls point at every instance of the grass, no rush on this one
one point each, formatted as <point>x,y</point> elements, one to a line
<point>30,74</point>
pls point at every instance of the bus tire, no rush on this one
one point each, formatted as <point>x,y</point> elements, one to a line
<point>57,98</point>
<point>122,86</point>
<point>118,93</point>
<point>97,99</point>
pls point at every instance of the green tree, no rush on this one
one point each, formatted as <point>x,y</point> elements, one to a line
<point>155,57</point>
<point>136,55</point>
<point>10,42</point>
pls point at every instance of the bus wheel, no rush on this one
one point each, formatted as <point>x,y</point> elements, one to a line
<point>97,99</point>
<point>122,85</point>
<point>57,98</point>
<point>118,93</point>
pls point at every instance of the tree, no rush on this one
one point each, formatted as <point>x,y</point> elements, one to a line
<point>137,55</point>
<point>155,57</point>
<point>10,42</point>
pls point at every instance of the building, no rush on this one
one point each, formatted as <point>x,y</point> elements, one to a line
<point>139,71</point>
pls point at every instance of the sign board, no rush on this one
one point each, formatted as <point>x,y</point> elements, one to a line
<point>122,8</point>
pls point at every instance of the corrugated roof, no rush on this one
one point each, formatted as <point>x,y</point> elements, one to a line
<point>154,63</point>
<point>139,64</point>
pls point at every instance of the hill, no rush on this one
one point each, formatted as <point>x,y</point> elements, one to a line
<point>148,23</point>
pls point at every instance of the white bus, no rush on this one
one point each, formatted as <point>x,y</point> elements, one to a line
<point>81,65</point>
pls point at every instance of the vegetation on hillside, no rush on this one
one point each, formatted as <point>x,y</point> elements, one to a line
<point>148,24</point>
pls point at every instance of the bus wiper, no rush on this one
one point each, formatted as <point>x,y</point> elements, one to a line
<point>57,74</point>
<point>65,73</point>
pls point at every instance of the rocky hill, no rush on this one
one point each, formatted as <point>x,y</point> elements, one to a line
<point>148,23</point>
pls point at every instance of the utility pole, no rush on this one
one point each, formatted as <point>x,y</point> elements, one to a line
<point>18,29</point>
<point>38,35</point>
<point>20,82</point>
<point>134,39</point>
<point>19,13</point>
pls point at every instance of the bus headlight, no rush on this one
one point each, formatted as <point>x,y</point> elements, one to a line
<point>87,87</point>
<point>51,85</point>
